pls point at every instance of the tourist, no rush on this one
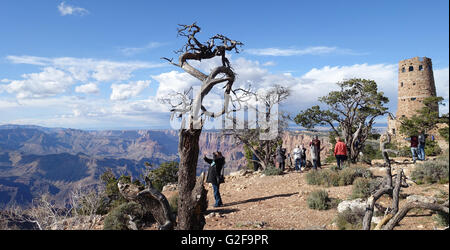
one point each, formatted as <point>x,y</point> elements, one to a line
<point>315,150</point>
<point>281,157</point>
<point>340,152</point>
<point>414,143</point>
<point>421,146</point>
<point>302,157</point>
<point>297,158</point>
<point>215,175</point>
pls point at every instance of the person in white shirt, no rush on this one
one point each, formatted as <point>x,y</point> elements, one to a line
<point>297,157</point>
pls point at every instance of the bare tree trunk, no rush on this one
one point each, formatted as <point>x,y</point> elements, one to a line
<point>188,149</point>
<point>405,209</point>
<point>371,205</point>
<point>396,192</point>
<point>193,196</point>
<point>396,215</point>
<point>386,187</point>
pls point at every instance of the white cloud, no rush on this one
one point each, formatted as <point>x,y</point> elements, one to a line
<point>47,83</point>
<point>71,10</point>
<point>73,70</point>
<point>66,111</point>
<point>306,89</point>
<point>90,88</point>
<point>174,81</point>
<point>122,92</point>
<point>315,50</point>
<point>84,68</point>
<point>136,50</point>
<point>269,63</point>
<point>441,80</point>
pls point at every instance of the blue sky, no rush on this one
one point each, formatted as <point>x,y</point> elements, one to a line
<point>96,64</point>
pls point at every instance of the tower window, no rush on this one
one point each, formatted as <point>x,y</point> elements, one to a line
<point>401,84</point>
<point>420,67</point>
<point>411,68</point>
<point>414,83</point>
<point>403,70</point>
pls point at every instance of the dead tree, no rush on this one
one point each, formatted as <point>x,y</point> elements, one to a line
<point>194,114</point>
<point>152,201</point>
<point>395,214</point>
<point>249,131</point>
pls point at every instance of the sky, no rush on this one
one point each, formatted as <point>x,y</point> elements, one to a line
<point>97,64</point>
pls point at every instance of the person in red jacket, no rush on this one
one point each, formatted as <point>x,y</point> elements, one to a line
<point>340,152</point>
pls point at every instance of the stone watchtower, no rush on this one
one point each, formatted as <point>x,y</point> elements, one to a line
<point>415,83</point>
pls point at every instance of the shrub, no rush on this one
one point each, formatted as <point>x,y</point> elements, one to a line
<point>272,171</point>
<point>442,219</point>
<point>348,220</point>
<point>118,218</point>
<point>166,173</point>
<point>319,200</point>
<point>371,152</point>
<point>173,203</point>
<point>113,197</point>
<point>431,172</point>
<point>444,132</point>
<point>404,151</point>
<point>313,178</point>
<point>330,178</point>
<point>347,176</point>
<point>334,177</point>
<point>249,157</point>
<point>361,188</point>
<point>432,148</point>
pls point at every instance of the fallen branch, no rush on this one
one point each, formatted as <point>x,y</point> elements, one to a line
<point>411,205</point>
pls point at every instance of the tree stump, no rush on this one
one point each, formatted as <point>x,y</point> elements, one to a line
<point>152,201</point>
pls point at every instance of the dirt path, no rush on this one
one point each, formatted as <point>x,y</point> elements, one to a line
<point>255,201</point>
<point>269,202</point>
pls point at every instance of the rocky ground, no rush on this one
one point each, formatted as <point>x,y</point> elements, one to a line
<point>254,201</point>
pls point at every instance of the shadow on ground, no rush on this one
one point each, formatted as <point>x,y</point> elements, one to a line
<point>259,199</point>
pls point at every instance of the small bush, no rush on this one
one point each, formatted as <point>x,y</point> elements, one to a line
<point>361,188</point>
<point>348,220</point>
<point>432,148</point>
<point>118,218</point>
<point>347,176</point>
<point>272,171</point>
<point>173,203</point>
<point>166,173</point>
<point>444,132</point>
<point>404,151</point>
<point>371,152</point>
<point>442,219</point>
<point>334,177</point>
<point>313,178</point>
<point>431,172</point>
<point>112,198</point>
<point>319,200</point>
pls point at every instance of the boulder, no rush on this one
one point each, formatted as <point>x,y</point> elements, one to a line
<point>420,198</point>
<point>356,206</point>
